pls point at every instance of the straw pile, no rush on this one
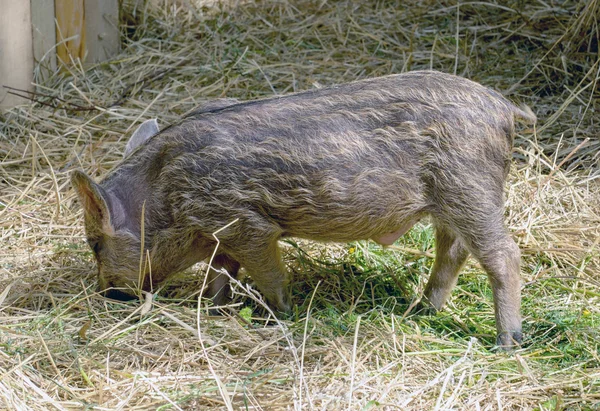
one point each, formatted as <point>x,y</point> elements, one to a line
<point>352,344</point>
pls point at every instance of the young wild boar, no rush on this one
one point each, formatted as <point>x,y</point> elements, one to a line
<point>364,160</point>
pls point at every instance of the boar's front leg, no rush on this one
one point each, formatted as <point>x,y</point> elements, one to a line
<point>217,282</point>
<point>262,261</point>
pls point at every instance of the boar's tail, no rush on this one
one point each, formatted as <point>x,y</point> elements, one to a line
<point>525,114</point>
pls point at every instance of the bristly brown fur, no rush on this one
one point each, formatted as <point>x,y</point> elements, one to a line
<point>361,160</point>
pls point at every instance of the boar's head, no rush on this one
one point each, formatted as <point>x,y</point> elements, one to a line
<point>116,245</point>
<point>116,249</point>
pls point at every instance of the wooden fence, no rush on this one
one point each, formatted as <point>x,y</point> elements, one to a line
<point>38,36</point>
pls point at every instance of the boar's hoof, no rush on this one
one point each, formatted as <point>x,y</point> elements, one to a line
<point>119,295</point>
<point>284,308</point>
<point>281,301</point>
<point>215,312</point>
<point>508,340</point>
<point>424,307</point>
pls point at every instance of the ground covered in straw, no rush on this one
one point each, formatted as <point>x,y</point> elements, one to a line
<point>353,342</point>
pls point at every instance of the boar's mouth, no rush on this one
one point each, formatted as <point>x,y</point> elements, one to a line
<point>119,295</point>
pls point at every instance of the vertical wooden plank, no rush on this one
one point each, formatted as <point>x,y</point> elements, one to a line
<point>70,30</point>
<point>44,38</point>
<point>16,49</point>
<point>102,29</point>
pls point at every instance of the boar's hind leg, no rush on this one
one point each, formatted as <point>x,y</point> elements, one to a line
<point>487,239</point>
<point>450,256</point>
<point>265,267</point>
<point>217,282</point>
<point>502,265</point>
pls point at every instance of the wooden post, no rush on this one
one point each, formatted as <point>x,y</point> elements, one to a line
<point>44,39</point>
<point>70,30</point>
<point>16,50</point>
<point>102,29</point>
<point>91,27</point>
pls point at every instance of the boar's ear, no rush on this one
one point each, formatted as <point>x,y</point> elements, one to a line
<point>146,130</point>
<point>94,201</point>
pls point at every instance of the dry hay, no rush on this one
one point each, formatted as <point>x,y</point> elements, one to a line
<point>63,347</point>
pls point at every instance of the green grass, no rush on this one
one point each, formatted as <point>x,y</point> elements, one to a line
<point>350,342</point>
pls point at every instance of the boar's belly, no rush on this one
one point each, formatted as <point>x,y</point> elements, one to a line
<point>390,238</point>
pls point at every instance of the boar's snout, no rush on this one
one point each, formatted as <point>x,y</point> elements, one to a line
<point>115,294</point>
